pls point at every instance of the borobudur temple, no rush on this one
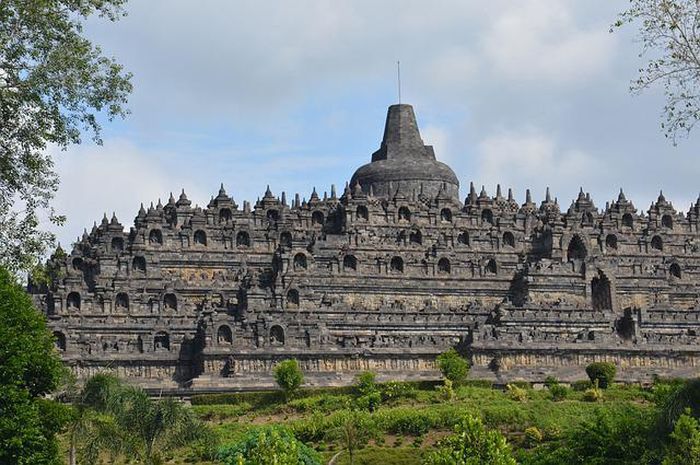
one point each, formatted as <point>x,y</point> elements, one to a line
<point>382,276</point>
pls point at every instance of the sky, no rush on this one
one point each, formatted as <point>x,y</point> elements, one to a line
<point>527,94</point>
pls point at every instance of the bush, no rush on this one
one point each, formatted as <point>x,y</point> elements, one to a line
<point>369,401</point>
<point>365,383</point>
<point>472,443</point>
<point>453,366</point>
<point>603,372</point>
<point>533,436</point>
<point>593,394</point>
<point>289,377</point>
<point>396,390</point>
<point>617,436</point>
<point>369,396</point>
<point>272,445</point>
<point>580,386</point>
<point>516,393</point>
<point>558,392</point>
<point>550,381</point>
<point>684,442</point>
<point>446,391</point>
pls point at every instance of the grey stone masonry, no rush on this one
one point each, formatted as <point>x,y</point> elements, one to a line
<point>382,277</point>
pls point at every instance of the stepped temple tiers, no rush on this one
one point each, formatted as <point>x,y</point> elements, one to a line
<point>382,276</point>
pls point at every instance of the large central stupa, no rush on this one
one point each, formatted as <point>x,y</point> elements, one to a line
<point>403,163</point>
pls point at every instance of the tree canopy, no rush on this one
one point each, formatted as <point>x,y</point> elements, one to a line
<point>29,369</point>
<point>669,31</point>
<point>55,85</point>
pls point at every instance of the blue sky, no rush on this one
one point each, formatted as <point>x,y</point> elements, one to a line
<point>528,94</point>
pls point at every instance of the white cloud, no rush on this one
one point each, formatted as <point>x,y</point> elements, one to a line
<point>529,158</point>
<point>540,40</point>
<point>116,177</point>
<point>438,138</point>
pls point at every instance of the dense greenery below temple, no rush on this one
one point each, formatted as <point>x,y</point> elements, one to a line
<point>411,419</point>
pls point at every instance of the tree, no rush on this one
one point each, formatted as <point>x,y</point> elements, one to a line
<point>683,398</point>
<point>355,432</point>
<point>271,445</point>
<point>54,85</point>
<point>113,418</point>
<point>289,377</point>
<point>684,442</point>
<point>30,368</point>
<point>472,444</point>
<point>368,395</point>
<point>670,35</point>
<point>152,427</point>
<point>601,372</point>
<point>90,429</point>
<point>453,366</point>
<point>622,435</point>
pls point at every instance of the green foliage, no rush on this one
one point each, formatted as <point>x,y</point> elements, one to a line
<point>365,383</point>
<point>678,399</point>
<point>393,391</point>
<point>603,372</point>
<point>355,432</point>
<point>581,385</point>
<point>668,32</point>
<point>272,445</point>
<point>619,436</point>
<point>516,393</point>
<point>533,436</point>
<point>369,396</point>
<point>453,366</point>
<point>446,391</point>
<point>472,444</point>
<point>550,381</point>
<point>558,392</point>
<point>54,85</point>
<point>593,394</point>
<point>369,401</point>
<point>124,421</point>
<point>289,377</point>
<point>684,442</point>
<point>29,369</point>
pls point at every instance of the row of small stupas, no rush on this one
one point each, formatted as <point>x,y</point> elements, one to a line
<point>383,277</point>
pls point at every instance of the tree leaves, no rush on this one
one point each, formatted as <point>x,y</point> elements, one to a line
<point>55,85</point>
<point>669,31</point>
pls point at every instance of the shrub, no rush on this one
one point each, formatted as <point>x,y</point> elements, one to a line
<point>446,391</point>
<point>593,394</point>
<point>395,390</point>
<point>533,436</point>
<point>618,435</point>
<point>267,446</point>
<point>369,401</point>
<point>365,383</point>
<point>550,381</point>
<point>558,392</point>
<point>472,443</point>
<point>684,442</point>
<point>369,396</point>
<point>580,386</point>
<point>453,366</point>
<point>603,372</point>
<point>516,393</point>
<point>289,377</point>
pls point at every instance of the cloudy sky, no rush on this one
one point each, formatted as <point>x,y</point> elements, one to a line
<point>528,94</point>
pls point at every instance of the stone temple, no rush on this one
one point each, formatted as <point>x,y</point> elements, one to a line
<point>382,276</point>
